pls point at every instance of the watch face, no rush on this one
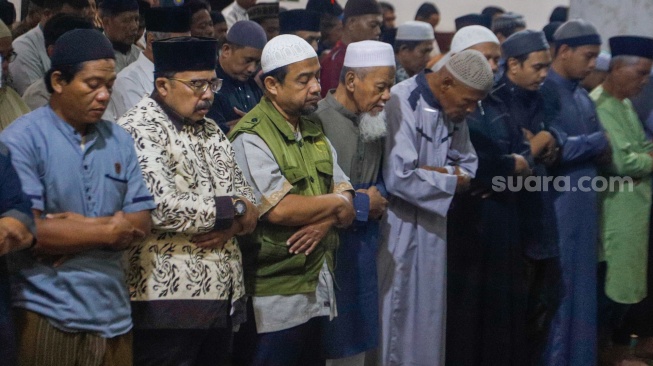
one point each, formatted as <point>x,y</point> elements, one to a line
<point>240,207</point>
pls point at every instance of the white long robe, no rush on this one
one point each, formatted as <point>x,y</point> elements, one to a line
<point>132,83</point>
<point>412,258</point>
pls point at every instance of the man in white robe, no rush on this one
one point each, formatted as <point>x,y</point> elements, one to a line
<point>428,157</point>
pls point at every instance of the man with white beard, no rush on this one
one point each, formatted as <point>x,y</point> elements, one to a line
<point>353,119</point>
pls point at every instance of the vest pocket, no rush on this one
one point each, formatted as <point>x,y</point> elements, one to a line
<point>275,260</point>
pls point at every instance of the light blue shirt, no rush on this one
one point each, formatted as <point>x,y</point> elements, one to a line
<point>96,177</point>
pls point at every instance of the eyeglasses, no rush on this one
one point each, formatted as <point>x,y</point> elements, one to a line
<point>201,85</point>
<point>9,57</point>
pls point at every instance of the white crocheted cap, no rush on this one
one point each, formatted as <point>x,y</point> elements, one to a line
<point>369,54</point>
<point>414,30</point>
<point>471,35</point>
<point>284,50</point>
<point>471,68</point>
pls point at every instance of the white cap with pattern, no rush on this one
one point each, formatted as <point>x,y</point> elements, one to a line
<point>471,68</point>
<point>284,50</point>
<point>414,30</point>
<point>369,54</point>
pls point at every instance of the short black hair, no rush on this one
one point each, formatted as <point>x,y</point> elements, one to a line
<point>60,24</point>
<point>7,13</point>
<point>426,10</point>
<point>279,74</point>
<point>68,73</point>
<point>217,17</point>
<point>163,74</point>
<point>196,6</point>
<point>491,11</point>
<point>520,58</point>
<point>56,5</point>
<point>386,6</point>
<point>408,44</point>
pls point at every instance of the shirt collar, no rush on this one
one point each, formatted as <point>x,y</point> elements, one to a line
<point>306,127</point>
<point>425,91</point>
<point>177,120</point>
<point>570,85</point>
<point>338,107</point>
<point>71,134</point>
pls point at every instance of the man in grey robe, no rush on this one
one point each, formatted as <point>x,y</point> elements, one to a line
<point>428,157</point>
<point>353,118</point>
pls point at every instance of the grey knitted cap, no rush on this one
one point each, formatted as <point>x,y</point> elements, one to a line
<point>577,32</point>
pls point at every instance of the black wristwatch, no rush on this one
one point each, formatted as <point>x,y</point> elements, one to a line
<point>240,207</point>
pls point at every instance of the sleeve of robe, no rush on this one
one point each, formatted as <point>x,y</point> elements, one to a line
<point>429,190</point>
<point>462,152</point>
<point>491,161</point>
<point>578,148</point>
<point>625,160</point>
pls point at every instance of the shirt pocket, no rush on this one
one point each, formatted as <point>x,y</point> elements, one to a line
<point>115,190</point>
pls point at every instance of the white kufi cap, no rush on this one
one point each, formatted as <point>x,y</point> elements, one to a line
<point>465,38</point>
<point>470,36</point>
<point>369,54</point>
<point>471,68</point>
<point>284,50</point>
<point>415,31</point>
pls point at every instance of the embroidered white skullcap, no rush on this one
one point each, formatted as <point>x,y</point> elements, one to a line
<point>471,68</point>
<point>414,30</point>
<point>284,50</point>
<point>470,36</point>
<point>465,38</point>
<point>369,54</point>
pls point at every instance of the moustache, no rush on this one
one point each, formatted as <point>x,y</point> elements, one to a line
<point>203,104</point>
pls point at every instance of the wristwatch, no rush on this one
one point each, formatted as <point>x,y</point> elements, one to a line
<point>240,207</point>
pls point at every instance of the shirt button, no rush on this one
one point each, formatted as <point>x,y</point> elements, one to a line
<point>86,167</point>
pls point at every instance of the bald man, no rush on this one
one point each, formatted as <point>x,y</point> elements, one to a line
<point>428,158</point>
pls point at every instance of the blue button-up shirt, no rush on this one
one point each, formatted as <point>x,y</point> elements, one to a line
<point>95,175</point>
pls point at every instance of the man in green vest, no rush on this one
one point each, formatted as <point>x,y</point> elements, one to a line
<point>303,196</point>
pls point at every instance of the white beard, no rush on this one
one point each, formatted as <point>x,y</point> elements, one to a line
<point>371,127</point>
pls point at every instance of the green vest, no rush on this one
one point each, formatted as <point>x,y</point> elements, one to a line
<point>308,165</point>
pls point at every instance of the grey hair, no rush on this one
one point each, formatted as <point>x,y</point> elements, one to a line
<point>360,72</point>
<point>157,36</point>
<point>623,60</point>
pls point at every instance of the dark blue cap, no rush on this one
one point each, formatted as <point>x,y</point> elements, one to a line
<point>118,6</point>
<point>169,19</point>
<point>169,54</point>
<point>523,43</point>
<point>299,20</point>
<point>473,19</point>
<point>631,46</point>
<point>81,45</point>
<point>247,33</point>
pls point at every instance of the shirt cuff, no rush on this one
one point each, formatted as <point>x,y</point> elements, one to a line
<point>224,212</point>
<point>362,206</point>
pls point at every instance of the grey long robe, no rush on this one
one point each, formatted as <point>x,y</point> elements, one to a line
<point>412,258</point>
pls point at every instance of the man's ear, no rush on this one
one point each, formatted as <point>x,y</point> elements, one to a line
<point>271,85</point>
<point>350,78</point>
<point>162,86</point>
<point>512,64</point>
<point>447,83</point>
<point>57,82</point>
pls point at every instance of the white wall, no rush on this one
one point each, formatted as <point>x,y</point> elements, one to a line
<point>536,12</point>
<point>612,18</point>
